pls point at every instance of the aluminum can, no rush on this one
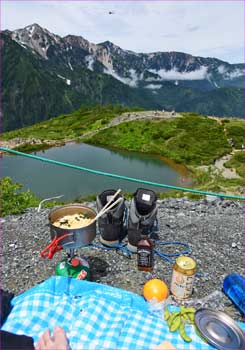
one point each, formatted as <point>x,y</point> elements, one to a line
<point>184,271</point>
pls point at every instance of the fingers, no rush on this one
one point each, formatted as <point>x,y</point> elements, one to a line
<point>44,339</point>
<point>46,336</point>
<point>60,339</point>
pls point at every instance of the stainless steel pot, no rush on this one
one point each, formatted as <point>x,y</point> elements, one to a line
<point>78,237</point>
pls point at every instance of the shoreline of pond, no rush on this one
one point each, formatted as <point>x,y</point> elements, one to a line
<point>35,146</point>
<point>190,174</point>
<point>124,166</point>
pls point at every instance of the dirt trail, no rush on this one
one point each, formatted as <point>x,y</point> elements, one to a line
<point>128,117</point>
<point>123,118</point>
<point>228,173</point>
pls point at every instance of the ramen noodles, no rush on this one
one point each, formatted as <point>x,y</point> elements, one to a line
<point>73,221</point>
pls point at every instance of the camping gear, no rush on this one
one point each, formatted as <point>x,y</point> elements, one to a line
<point>75,267</point>
<point>219,329</point>
<point>69,238</point>
<point>145,254</point>
<point>234,288</point>
<point>142,216</point>
<point>54,246</point>
<point>78,237</point>
<point>183,275</point>
<point>110,222</point>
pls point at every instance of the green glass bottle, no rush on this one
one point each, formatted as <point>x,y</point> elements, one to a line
<point>75,267</point>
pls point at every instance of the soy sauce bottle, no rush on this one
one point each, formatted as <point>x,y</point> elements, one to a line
<point>145,254</point>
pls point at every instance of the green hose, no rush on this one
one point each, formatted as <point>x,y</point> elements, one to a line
<point>121,177</point>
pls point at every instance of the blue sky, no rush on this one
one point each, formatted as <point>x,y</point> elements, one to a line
<point>201,28</point>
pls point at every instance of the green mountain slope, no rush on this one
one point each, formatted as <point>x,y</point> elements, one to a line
<point>30,93</point>
<point>220,102</point>
<point>189,139</point>
<point>37,89</point>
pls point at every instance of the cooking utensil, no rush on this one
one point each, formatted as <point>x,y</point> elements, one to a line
<point>78,237</point>
<point>105,210</point>
<point>54,247</point>
<point>74,238</point>
<point>219,330</point>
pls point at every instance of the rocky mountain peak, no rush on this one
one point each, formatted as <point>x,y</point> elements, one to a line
<point>149,70</point>
<point>110,47</point>
<point>35,37</point>
<point>107,43</point>
<point>79,41</point>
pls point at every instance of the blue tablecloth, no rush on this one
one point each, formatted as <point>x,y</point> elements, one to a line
<point>94,316</point>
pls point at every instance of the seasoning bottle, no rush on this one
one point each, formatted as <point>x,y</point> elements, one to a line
<point>145,254</point>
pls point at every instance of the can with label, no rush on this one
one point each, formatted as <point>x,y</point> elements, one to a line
<point>184,271</point>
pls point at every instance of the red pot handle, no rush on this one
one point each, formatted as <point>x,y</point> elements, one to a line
<point>53,247</point>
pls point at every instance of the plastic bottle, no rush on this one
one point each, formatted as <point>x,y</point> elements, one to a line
<point>145,254</point>
<point>234,288</point>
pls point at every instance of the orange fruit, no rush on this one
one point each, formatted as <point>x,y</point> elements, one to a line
<point>156,289</point>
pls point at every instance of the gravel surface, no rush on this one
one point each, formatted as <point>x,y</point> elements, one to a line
<point>212,227</point>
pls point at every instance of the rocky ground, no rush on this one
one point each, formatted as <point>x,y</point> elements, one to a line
<point>212,227</point>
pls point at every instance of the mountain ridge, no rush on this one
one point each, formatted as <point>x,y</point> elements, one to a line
<point>77,71</point>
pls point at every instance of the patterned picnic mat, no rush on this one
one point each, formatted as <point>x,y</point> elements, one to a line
<point>94,316</point>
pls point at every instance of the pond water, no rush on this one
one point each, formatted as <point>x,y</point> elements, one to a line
<point>47,180</point>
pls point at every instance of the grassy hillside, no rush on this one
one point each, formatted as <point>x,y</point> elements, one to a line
<point>192,139</point>
<point>70,126</point>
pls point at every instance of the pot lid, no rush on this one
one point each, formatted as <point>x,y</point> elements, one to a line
<point>219,329</point>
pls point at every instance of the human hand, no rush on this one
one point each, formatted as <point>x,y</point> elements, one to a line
<point>56,342</point>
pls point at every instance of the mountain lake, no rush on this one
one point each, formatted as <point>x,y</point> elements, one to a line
<point>47,180</point>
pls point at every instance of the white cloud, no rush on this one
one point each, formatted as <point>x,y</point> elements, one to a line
<point>235,74</point>
<point>175,75</point>
<point>231,75</point>
<point>222,69</point>
<point>153,86</point>
<point>202,28</point>
<point>108,70</point>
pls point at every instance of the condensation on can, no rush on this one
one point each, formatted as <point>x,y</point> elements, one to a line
<point>184,271</point>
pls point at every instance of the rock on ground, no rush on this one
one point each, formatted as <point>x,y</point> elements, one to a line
<point>212,228</point>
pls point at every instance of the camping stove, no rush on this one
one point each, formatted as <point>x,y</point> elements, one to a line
<point>70,239</point>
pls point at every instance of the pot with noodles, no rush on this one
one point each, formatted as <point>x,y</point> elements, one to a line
<point>75,222</point>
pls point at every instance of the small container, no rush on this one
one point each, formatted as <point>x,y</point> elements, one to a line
<point>234,288</point>
<point>219,330</point>
<point>75,267</point>
<point>145,254</point>
<point>184,271</point>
